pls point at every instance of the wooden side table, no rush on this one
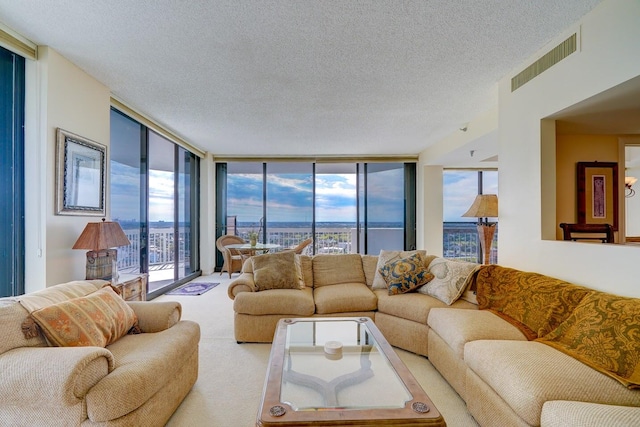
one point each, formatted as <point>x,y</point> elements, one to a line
<point>133,287</point>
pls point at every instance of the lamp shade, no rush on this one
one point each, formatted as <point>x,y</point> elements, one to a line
<point>484,206</point>
<point>101,235</point>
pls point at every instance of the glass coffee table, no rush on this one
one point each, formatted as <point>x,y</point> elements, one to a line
<point>339,371</point>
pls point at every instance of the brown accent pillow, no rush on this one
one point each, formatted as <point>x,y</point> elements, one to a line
<point>277,271</point>
<point>602,332</point>
<point>97,319</point>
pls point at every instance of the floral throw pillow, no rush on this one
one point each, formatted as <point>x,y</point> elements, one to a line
<point>386,257</point>
<point>405,274</point>
<point>450,279</point>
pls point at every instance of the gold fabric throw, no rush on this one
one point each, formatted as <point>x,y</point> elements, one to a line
<point>603,332</point>
<point>534,303</point>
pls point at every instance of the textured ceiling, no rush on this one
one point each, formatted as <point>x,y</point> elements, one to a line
<point>306,77</point>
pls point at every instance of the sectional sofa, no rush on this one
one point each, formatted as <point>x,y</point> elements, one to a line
<point>522,349</point>
<point>121,364</point>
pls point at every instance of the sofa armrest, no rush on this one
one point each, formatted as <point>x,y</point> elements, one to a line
<point>243,283</point>
<point>563,413</point>
<point>156,316</point>
<point>51,376</point>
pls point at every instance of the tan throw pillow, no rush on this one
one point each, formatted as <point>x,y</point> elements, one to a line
<point>450,279</point>
<point>405,274</point>
<point>97,319</point>
<point>384,258</point>
<point>277,271</point>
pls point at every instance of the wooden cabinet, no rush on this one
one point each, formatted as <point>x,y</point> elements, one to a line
<point>133,287</point>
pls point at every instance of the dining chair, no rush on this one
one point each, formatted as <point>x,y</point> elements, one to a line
<point>588,232</point>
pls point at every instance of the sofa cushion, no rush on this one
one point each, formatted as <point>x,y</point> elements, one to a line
<point>336,269</point>
<point>535,303</point>
<point>450,279</point>
<point>277,271</point>
<point>526,374</point>
<point>344,298</point>
<point>412,306</point>
<point>145,364</point>
<point>97,319</point>
<point>293,302</point>
<point>306,266</point>
<point>405,274</point>
<point>370,267</point>
<point>58,293</point>
<point>604,333</point>
<point>385,257</point>
<point>12,314</point>
<point>458,327</point>
<point>563,413</point>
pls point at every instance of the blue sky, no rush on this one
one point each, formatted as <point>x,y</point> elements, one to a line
<point>290,195</point>
<point>460,189</point>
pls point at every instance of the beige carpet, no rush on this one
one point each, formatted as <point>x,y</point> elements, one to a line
<point>231,376</point>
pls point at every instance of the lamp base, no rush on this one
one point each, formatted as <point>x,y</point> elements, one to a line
<point>102,265</point>
<point>485,234</point>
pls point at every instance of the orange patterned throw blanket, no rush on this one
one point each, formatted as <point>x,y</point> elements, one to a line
<point>598,329</point>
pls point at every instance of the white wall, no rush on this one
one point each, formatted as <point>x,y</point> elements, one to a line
<point>610,55</point>
<point>207,215</point>
<point>59,94</point>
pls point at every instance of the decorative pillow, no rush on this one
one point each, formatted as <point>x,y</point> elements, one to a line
<point>405,274</point>
<point>97,319</point>
<point>386,257</point>
<point>277,271</point>
<point>450,279</point>
<point>603,332</point>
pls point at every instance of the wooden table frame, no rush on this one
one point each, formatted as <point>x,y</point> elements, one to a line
<point>420,411</point>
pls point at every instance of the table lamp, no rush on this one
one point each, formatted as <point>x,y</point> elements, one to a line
<point>484,206</point>
<point>100,238</point>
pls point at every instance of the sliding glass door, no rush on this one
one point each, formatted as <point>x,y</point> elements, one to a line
<point>154,196</point>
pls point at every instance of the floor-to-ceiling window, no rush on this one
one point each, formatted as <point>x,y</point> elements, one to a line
<point>154,196</point>
<point>460,235</point>
<point>345,207</point>
<point>289,207</point>
<point>12,92</point>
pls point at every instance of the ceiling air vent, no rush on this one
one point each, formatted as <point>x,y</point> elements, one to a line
<point>549,59</point>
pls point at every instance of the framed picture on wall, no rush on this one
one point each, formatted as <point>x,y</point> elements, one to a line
<point>80,175</point>
<point>598,193</point>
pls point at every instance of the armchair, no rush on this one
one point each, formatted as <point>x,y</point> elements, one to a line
<point>233,258</point>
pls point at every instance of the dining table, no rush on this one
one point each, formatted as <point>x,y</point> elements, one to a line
<point>247,248</point>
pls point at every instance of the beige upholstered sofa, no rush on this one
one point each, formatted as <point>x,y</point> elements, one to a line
<point>138,380</point>
<point>527,357</point>
<point>505,375</point>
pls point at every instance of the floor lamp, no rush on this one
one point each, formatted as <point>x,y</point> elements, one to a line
<point>484,206</point>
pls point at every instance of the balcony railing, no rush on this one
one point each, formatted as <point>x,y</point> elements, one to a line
<point>460,242</point>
